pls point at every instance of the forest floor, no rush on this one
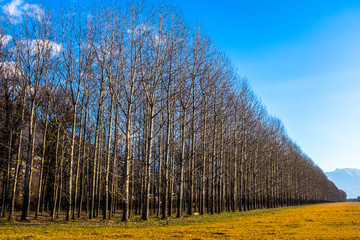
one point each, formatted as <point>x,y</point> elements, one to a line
<point>322,221</point>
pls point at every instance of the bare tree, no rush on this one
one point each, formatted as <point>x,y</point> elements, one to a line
<point>137,110</point>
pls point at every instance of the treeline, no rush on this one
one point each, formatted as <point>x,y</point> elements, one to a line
<point>129,110</point>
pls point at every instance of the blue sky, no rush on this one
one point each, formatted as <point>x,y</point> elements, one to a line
<point>302,59</point>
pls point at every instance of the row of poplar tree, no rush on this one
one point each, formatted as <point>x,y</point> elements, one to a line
<point>128,110</point>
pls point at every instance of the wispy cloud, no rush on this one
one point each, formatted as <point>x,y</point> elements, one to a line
<point>17,9</point>
<point>8,69</point>
<point>13,8</point>
<point>33,10</point>
<point>37,46</point>
<point>155,34</point>
<point>4,39</point>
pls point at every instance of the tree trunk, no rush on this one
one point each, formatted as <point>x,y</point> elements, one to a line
<point>78,171</point>
<point>106,198</point>
<point>72,147</point>
<point>145,214</point>
<point>42,164</point>
<point>127,162</point>
<point>56,184</point>
<point>166,161</point>
<point>29,165</point>
<point>182,162</point>
<point>17,169</point>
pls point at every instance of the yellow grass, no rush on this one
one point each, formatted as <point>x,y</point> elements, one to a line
<point>325,221</point>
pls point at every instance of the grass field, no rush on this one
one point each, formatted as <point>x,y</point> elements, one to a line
<point>324,221</point>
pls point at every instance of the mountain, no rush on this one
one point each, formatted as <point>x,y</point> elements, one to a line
<point>346,179</point>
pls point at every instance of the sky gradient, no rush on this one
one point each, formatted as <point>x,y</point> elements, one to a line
<point>302,60</point>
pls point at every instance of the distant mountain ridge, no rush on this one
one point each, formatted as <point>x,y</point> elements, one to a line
<point>347,179</point>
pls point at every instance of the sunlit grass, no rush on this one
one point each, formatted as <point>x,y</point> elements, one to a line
<point>325,221</point>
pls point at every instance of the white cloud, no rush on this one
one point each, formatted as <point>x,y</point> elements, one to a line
<point>9,69</point>
<point>13,8</point>
<point>33,10</point>
<point>37,45</point>
<point>141,29</point>
<point>4,39</point>
<point>54,47</point>
<point>16,9</point>
<point>47,45</point>
<point>155,34</point>
<point>159,39</point>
